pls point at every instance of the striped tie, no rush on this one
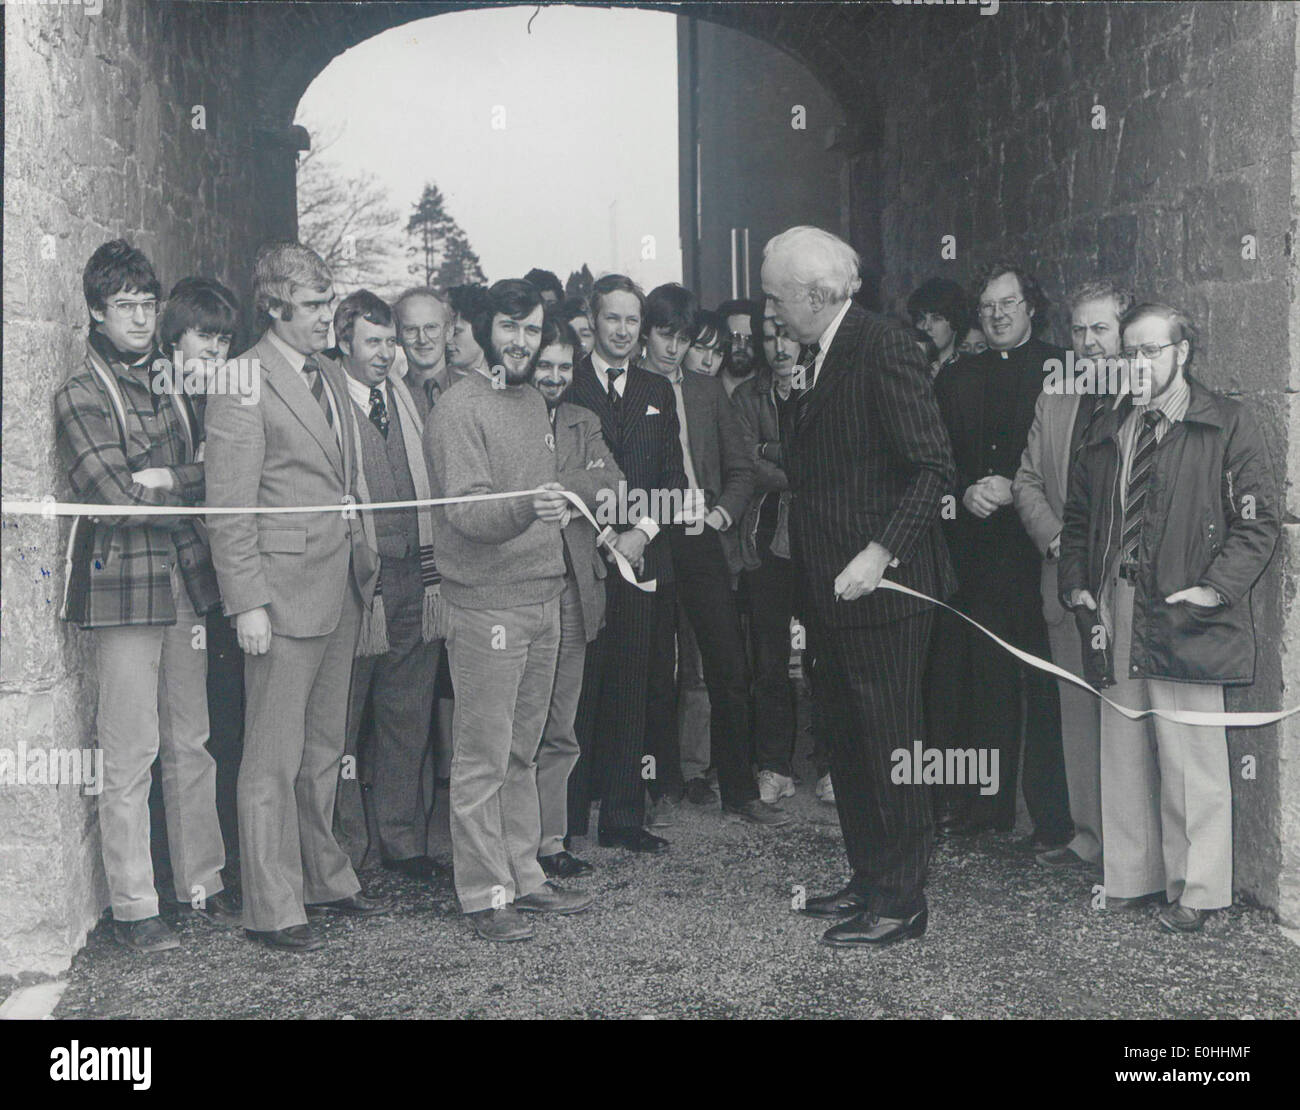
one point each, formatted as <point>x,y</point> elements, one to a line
<point>312,369</point>
<point>1139,478</point>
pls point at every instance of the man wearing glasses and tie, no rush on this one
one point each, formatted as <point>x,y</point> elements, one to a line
<point>1171,518</point>
<point>296,585</point>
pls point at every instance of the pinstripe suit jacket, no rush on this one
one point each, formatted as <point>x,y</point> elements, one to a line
<point>868,458</point>
<point>645,440</point>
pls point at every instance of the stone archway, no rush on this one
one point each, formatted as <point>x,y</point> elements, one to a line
<point>171,124</point>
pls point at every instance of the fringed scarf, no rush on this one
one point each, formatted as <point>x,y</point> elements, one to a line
<point>374,625</point>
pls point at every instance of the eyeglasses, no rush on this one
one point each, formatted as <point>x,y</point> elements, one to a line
<point>1147,350</point>
<point>126,309</point>
<point>1006,306</point>
<point>741,342</point>
<point>429,331</point>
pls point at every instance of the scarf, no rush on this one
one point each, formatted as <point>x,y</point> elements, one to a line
<point>373,639</point>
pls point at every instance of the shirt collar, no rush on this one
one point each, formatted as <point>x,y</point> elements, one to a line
<point>1173,405</point>
<point>360,392</point>
<point>602,369</point>
<point>295,359</point>
<point>1027,338</point>
<point>828,336</point>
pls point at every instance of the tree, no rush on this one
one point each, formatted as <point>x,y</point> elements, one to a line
<point>439,248</point>
<point>349,221</point>
<point>580,283</point>
<point>460,265</point>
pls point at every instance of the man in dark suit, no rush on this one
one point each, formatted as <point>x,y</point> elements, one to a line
<point>638,418</point>
<point>718,467</point>
<point>296,585</point>
<point>988,402</point>
<point>868,463</point>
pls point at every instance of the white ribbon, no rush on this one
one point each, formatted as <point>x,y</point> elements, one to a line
<point>1249,719</point>
<point>50,508</point>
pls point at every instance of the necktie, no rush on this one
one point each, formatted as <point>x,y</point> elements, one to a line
<point>312,369</point>
<point>1139,478</point>
<point>807,362</point>
<point>378,410</point>
<point>613,373</point>
<point>430,391</point>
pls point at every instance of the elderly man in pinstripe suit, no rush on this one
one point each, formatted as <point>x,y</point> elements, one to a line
<point>868,462</point>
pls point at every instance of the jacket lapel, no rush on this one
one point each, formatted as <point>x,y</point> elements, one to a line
<point>289,386</point>
<point>834,365</point>
<point>636,397</point>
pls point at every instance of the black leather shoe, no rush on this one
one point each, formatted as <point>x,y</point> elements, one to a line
<point>358,905</point>
<point>147,936</point>
<point>1040,842</point>
<point>634,840</point>
<point>1181,919</point>
<point>843,903</point>
<point>416,867</point>
<point>296,938</point>
<point>222,910</point>
<point>700,793</point>
<point>562,865</point>
<point>869,930</point>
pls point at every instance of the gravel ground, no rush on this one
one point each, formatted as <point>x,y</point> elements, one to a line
<point>707,931</point>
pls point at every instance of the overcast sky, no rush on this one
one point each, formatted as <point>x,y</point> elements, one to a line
<point>585,165</point>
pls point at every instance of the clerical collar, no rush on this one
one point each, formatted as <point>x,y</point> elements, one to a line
<point>1017,347</point>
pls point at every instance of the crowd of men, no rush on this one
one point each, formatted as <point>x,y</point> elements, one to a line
<point>482,630</point>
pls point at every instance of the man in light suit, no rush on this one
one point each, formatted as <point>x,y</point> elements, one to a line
<point>296,585</point>
<point>868,461</point>
<point>1039,491</point>
<point>585,466</point>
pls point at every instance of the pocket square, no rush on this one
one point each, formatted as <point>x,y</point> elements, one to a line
<point>650,410</point>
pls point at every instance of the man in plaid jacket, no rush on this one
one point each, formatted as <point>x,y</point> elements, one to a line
<point>141,584</point>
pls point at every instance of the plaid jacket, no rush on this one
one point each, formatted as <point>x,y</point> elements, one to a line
<point>123,571</point>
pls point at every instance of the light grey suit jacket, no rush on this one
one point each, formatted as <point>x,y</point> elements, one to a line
<point>281,452</point>
<point>1041,484</point>
<point>578,441</point>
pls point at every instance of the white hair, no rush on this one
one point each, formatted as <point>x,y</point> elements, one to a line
<point>816,259</point>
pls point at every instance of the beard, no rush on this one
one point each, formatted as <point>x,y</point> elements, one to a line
<point>514,376</point>
<point>733,367</point>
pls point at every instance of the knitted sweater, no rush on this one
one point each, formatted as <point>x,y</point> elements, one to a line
<point>493,554</point>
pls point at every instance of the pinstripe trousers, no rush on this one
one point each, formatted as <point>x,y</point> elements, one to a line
<point>623,682</point>
<point>870,679</point>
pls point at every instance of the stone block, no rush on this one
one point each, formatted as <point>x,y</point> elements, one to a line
<point>1160,249</point>
<point>1243,339</point>
<point>1219,215</point>
<point>1252,91</point>
<point>1163,147</point>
